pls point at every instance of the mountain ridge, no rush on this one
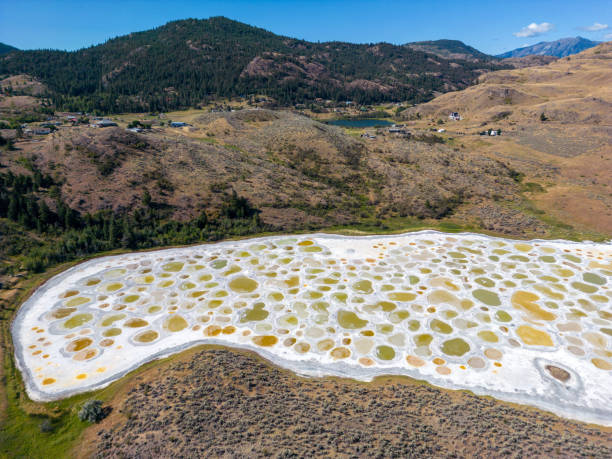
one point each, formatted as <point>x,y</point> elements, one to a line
<point>559,48</point>
<point>182,63</point>
<point>450,49</point>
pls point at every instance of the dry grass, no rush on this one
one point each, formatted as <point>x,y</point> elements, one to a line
<point>219,402</point>
<point>568,156</point>
<point>568,90</point>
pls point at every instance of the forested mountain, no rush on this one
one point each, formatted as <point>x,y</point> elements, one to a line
<point>450,49</point>
<point>185,62</point>
<point>4,48</point>
<point>559,48</point>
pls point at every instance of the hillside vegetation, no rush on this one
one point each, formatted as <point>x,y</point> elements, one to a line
<point>183,63</point>
<point>297,171</point>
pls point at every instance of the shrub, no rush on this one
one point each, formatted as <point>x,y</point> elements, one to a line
<point>532,187</point>
<point>92,411</point>
<point>46,426</point>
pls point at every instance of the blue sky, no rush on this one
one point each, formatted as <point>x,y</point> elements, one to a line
<point>492,27</point>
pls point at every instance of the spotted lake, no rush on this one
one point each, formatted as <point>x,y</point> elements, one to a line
<point>526,321</point>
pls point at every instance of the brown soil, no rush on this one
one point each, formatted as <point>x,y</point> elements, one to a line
<point>226,403</point>
<point>17,104</point>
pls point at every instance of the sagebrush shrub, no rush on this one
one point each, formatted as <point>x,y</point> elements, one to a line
<point>92,411</point>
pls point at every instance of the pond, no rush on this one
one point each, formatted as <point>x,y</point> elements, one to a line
<point>360,123</point>
<point>492,315</point>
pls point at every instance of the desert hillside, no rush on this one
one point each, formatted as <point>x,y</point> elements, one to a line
<point>556,124</point>
<point>569,90</point>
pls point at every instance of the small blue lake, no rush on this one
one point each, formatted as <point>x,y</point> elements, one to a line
<point>360,123</point>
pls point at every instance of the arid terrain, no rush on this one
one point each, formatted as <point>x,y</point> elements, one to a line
<point>301,173</point>
<point>548,175</point>
<point>226,403</point>
<point>556,129</point>
<point>298,171</point>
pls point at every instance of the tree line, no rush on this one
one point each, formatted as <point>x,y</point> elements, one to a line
<point>66,234</point>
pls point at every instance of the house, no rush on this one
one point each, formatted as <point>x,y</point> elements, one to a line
<point>103,123</point>
<point>134,129</point>
<point>367,135</point>
<point>441,130</point>
<point>455,116</point>
<point>38,131</point>
<point>176,124</point>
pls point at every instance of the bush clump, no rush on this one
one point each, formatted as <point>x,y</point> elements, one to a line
<point>92,411</point>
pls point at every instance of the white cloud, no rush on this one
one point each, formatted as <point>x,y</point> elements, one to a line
<point>596,27</point>
<point>608,37</point>
<point>533,29</point>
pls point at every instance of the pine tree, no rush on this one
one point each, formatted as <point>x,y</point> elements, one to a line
<point>146,199</point>
<point>112,230</point>
<point>128,240</point>
<point>13,207</point>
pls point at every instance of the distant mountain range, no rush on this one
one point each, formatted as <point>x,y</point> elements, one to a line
<point>559,48</point>
<point>4,48</point>
<point>182,63</point>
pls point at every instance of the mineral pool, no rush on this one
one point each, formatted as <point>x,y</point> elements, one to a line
<point>529,322</point>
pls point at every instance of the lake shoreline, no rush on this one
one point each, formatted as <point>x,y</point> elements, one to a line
<point>302,366</point>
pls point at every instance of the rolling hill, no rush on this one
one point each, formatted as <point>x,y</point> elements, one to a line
<point>556,127</point>
<point>559,48</point>
<point>567,91</point>
<point>185,62</point>
<point>450,49</point>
